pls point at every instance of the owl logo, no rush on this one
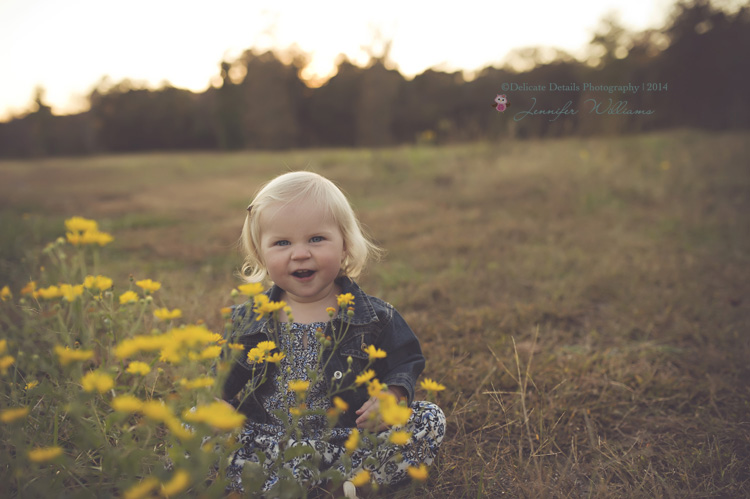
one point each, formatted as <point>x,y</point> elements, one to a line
<point>501,103</point>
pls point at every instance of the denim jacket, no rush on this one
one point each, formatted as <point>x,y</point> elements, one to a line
<point>374,322</point>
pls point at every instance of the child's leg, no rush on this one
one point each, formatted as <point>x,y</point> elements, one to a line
<point>252,442</point>
<point>427,427</point>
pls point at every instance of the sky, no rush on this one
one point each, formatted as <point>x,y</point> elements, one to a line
<point>66,47</point>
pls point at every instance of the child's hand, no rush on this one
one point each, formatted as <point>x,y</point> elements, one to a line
<point>369,416</point>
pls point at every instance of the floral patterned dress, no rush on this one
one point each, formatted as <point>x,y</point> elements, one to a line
<point>324,446</point>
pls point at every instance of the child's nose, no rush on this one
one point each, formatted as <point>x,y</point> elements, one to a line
<point>300,252</point>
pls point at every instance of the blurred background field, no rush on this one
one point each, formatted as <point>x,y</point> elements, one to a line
<point>585,300</point>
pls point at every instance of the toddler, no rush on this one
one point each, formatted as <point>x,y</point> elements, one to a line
<point>301,233</point>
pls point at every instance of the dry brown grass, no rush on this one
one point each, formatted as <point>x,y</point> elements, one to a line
<point>584,300</point>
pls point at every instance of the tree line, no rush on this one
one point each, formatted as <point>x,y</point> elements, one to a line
<point>695,70</point>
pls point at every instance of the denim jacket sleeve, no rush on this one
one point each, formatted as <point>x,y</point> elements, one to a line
<point>404,361</point>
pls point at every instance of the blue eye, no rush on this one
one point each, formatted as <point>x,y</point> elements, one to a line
<point>281,243</point>
<point>316,239</point>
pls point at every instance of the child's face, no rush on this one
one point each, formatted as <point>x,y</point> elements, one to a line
<point>303,250</point>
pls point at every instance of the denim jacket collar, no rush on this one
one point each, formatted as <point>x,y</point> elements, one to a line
<point>364,312</point>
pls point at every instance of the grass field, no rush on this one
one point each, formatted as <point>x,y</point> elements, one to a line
<point>585,301</point>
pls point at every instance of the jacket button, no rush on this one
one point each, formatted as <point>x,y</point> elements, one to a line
<point>338,375</point>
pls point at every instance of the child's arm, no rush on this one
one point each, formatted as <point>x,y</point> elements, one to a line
<point>404,361</point>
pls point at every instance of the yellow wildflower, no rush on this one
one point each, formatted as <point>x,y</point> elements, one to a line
<point>147,343</point>
<point>192,336</point>
<point>339,404</point>
<point>375,387</point>
<point>197,383</point>
<point>298,385</point>
<point>391,412</point>
<point>97,381</point>
<point>49,293</point>
<point>263,306</point>
<point>275,358</point>
<point>156,410</point>
<point>174,344</point>
<point>44,454</point>
<point>330,311</point>
<point>99,282</point>
<point>179,482</point>
<point>431,385</point>
<point>220,415</point>
<point>297,411</point>
<point>29,289</point>
<point>211,352</point>
<point>236,346</point>
<point>31,385</point>
<point>70,293</point>
<point>345,299</point>
<point>361,479</point>
<point>3,346</point>
<point>5,362</point>
<point>256,356</point>
<point>364,377</point>
<point>352,442</point>
<point>266,346</point>
<point>66,356</point>
<point>128,297</point>
<point>165,314</point>
<point>138,367</point>
<point>14,414</point>
<point>100,238</point>
<point>226,312</point>
<point>74,238</point>
<point>400,437</point>
<point>5,294</point>
<point>251,289</point>
<point>419,474</point>
<point>89,237</point>
<point>148,285</point>
<point>127,403</point>
<point>375,353</point>
<point>80,224</point>
<point>142,489</point>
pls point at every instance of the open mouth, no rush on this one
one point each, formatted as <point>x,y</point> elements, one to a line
<point>303,273</point>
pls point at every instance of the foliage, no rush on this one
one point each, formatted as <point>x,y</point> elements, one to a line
<point>263,104</point>
<point>94,404</point>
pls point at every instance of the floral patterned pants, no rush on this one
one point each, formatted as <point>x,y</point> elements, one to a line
<point>426,424</point>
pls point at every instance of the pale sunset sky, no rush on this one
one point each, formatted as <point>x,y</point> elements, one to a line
<point>68,46</point>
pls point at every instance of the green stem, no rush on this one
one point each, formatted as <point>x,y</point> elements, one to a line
<point>82,262</point>
<point>55,429</point>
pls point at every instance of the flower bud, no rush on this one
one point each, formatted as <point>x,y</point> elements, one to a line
<point>234,293</point>
<point>349,360</point>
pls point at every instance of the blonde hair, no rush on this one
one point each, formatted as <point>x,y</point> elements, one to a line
<point>293,187</point>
